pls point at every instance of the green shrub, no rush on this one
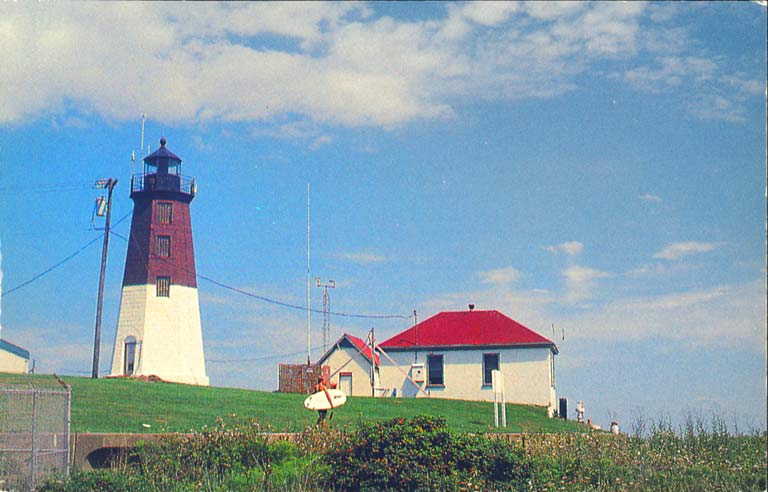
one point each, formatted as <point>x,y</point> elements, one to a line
<point>222,458</point>
<point>96,481</point>
<point>421,454</point>
<point>211,453</point>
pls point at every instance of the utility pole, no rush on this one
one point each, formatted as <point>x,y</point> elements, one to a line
<point>373,362</point>
<point>416,335</point>
<point>109,184</point>
<point>326,310</point>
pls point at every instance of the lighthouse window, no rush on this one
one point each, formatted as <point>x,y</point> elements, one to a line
<point>164,245</point>
<point>130,356</point>
<point>163,285</point>
<point>164,212</point>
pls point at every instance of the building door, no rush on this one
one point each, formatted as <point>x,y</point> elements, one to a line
<point>345,383</point>
<point>130,356</point>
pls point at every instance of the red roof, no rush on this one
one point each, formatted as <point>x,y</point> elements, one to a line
<point>356,343</point>
<point>359,344</point>
<point>467,329</point>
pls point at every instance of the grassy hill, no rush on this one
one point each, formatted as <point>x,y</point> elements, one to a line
<point>124,405</point>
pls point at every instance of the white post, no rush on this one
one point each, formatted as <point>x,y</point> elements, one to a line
<point>494,388</point>
<point>503,401</point>
<point>497,384</point>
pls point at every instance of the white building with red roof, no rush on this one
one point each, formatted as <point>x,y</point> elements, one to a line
<point>351,367</point>
<point>451,355</point>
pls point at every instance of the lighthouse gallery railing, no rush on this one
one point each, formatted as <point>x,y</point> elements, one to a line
<point>162,182</point>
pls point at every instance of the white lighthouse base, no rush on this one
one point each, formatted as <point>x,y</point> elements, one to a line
<point>162,334</point>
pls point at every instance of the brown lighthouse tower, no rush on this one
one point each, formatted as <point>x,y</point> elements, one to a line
<point>158,330</point>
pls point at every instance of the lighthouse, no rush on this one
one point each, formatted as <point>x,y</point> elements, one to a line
<point>158,329</point>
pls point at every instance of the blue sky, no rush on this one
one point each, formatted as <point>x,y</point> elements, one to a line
<point>598,167</point>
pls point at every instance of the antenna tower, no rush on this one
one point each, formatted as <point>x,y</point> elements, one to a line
<point>326,311</point>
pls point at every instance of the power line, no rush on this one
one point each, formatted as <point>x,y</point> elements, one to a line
<point>301,308</point>
<point>281,303</point>
<point>254,359</point>
<point>50,269</point>
<point>44,188</point>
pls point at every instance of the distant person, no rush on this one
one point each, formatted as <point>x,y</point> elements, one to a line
<point>321,414</point>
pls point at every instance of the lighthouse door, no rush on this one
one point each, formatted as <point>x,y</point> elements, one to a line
<point>130,356</point>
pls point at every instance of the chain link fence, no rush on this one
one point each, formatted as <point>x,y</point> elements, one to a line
<point>34,430</point>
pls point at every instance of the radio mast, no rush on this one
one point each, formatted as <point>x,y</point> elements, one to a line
<point>326,310</point>
<point>309,282</point>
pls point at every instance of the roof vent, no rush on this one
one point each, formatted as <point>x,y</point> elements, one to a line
<point>471,307</point>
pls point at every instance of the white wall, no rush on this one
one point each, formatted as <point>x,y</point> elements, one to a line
<point>526,375</point>
<point>168,332</point>
<point>13,363</point>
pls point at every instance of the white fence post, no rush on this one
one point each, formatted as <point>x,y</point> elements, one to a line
<point>497,384</point>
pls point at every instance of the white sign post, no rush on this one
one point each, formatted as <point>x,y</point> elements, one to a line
<point>497,383</point>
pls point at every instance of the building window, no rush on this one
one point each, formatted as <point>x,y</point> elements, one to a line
<point>165,212</point>
<point>552,369</point>
<point>164,246</point>
<point>130,356</point>
<point>490,364</point>
<point>435,370</point>
<point>163,286</point>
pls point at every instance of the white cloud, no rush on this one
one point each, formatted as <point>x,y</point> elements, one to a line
<point>675,251</point>
<point>726,315</point>
<point>580,282</point>
<point>649,197</point>
<point>361,257</point>
<point>200,144</point>
<point>672,71</point>
<point>716,107</point>
<point>552,10</point>
<point>332,63</point>
<point>658,268</point>
<point>320,141</point>
<point>570,248</point>
<point>488,13</point>
<point>500,276</point>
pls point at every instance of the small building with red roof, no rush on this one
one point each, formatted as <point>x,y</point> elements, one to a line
<point>351,365</point>
<point>452,355</point>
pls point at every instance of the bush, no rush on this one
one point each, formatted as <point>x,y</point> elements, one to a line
<point>222,458</point>
<point>96,481</point>
<point>201,456</point>
<point>421,454</point>
<point>694,458</point>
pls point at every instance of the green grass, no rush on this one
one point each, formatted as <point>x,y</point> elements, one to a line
<point>125,405</point>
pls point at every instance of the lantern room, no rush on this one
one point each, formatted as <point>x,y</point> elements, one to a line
<point>162,172</point>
